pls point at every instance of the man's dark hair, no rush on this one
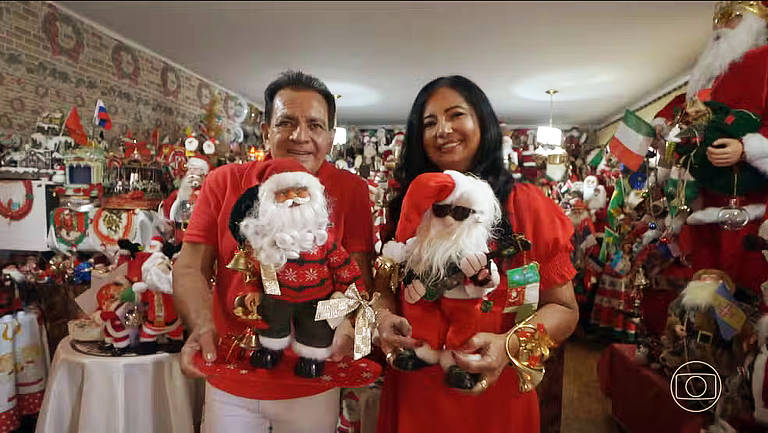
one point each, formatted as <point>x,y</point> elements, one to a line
<point>298,80</point>
<point>488,162</point>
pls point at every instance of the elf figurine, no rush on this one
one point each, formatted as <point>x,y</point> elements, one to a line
<point>291,261</point>
<point>442,239</point>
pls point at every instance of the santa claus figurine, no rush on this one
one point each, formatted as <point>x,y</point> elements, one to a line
<point>156,291</point>
<point>111,313</point>
<point>294,262</point>
<point>183,200</point>
<point>442,239</point>
<point>730,74</point>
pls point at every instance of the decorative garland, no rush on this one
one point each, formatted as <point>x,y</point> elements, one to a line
<point>117,60</point>
<point>15,215</point>
<point>92,188</point>
<point>177,161</point>
<point>168,92</point>
<point>200,86</point>
<point>69,226</point>
<point>112,220</point>
<point>231,105</point>
<point>51,26</point>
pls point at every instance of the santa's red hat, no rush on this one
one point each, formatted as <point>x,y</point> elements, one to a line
<point>424,191</point>
<point>281,173</point>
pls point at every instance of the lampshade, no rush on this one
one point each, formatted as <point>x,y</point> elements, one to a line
<point>549,135</point>
<point>341,136</point>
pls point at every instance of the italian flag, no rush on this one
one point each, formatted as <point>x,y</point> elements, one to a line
<point>631,140</point>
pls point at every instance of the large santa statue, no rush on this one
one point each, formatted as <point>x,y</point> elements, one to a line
<point>732,71</point>
<point>442,239</point>
<point>284,223</point>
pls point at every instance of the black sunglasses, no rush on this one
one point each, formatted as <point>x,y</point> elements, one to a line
<point>459,213</point>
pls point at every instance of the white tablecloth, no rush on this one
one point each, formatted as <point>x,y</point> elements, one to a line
<point>142,394</point>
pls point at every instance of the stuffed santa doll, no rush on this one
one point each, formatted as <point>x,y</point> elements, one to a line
<point>111,314</point>
<point>442,238</point>
<point>726,86</point>
<point>155,290</point>
<point>294,262</point>
<point>707,323</point>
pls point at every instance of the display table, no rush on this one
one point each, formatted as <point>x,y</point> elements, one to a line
<point>143,394</point>
<point>640,397</point>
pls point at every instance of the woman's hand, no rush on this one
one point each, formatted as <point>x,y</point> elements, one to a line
<point>727,155</point>
<point>198,341</point>
<point>394,332</point>
<point>493,357</point>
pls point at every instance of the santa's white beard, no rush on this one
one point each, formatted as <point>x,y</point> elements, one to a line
<point>442,241</point>
<point>699,294</point>
<point>280,232</point>
<point>725,47</point>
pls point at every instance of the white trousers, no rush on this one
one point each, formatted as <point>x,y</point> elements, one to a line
<point>227,413</point>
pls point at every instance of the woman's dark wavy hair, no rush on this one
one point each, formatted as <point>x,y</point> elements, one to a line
<point>488,164</point>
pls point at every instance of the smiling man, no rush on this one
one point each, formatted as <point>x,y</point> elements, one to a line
<point>299,118</point>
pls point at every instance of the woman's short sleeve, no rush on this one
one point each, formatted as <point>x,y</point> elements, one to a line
<point>545,224</point>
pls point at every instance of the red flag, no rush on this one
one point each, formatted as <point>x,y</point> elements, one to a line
<point>75,128</point>
<point>156,137</point>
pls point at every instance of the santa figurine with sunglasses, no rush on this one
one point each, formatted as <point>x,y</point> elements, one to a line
<point>442,241</point>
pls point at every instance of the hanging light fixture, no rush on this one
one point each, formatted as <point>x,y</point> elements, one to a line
<point>549,134</point>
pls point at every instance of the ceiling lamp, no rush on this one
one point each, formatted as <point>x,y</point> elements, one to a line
<point>340,137</point>
<point>549,134</point>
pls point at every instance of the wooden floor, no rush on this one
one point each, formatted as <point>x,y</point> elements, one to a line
<point>585,408</point>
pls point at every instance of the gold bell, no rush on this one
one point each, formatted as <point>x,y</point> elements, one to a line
<point>249,341</point>
<point>240,261</point>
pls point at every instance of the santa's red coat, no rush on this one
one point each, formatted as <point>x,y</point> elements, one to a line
<point>743,86</point>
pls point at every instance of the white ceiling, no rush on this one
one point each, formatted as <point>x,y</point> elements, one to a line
<point>602,56</point>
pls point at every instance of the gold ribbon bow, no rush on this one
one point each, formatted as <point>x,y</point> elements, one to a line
<point>336,309</point>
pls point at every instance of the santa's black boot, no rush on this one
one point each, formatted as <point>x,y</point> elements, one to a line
<point>147,348</point>
<point>407,360</point>
<point>266,358</point>
<point>455,377</point>
<point>173,346</point>
<point>309,368</point>
<point>104,346</point>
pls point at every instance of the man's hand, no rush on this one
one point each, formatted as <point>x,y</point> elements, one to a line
<point>725,152</point>
<point>343,341</point>
<point>493,357</point>
<point>394,332</point>
<point>204,341</point>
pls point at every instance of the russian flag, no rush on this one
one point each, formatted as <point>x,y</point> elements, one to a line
<point>100,116</point>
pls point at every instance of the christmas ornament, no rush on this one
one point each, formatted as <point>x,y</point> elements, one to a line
<point>109,226</point>
<point>14,210</point>
<point>70,227</point>
<point>733,217</point>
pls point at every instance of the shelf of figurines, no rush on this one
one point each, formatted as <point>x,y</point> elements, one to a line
<point>109,306</point>
<point>61,195</point>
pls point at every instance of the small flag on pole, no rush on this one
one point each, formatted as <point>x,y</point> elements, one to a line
<point>101,117</point>
<point>75,128</point>
<point>631,141</point>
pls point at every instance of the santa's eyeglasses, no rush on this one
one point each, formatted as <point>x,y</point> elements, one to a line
<point>459,213</point>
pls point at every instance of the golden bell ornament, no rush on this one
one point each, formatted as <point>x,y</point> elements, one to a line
<point>240,261</point>
<point>249,340</point>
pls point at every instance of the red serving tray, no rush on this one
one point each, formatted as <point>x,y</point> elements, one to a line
<point>240,377</point>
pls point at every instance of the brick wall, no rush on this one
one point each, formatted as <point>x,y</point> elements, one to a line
<point>51,61</point>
